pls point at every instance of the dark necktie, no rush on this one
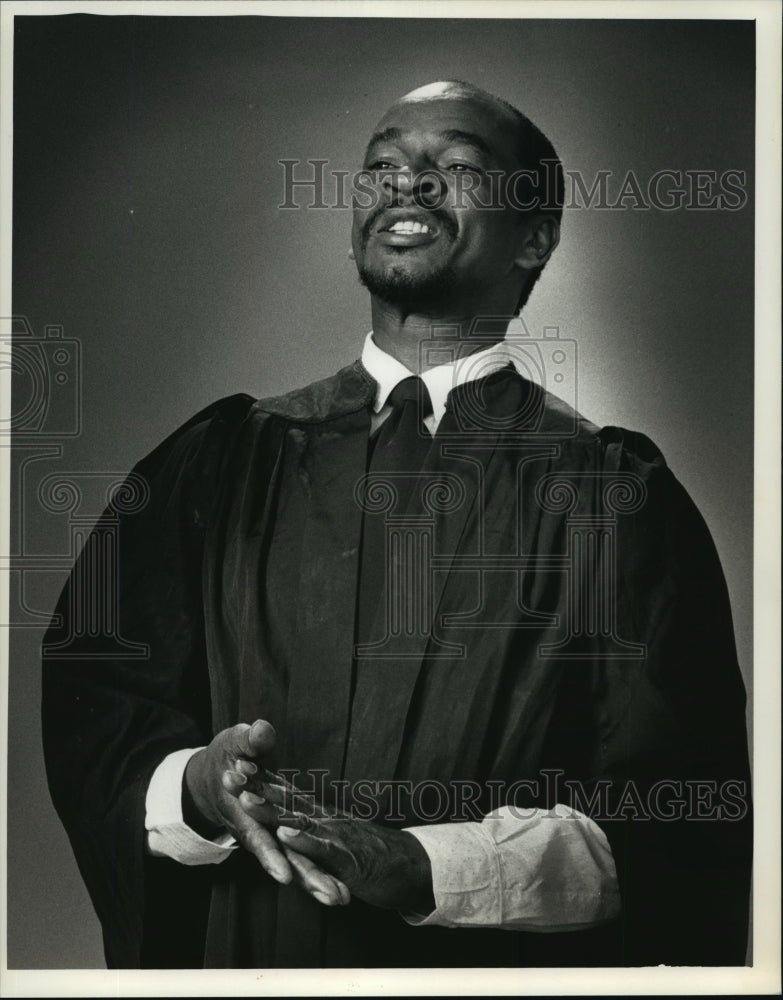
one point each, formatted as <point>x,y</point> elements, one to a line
<point>402,442</point>
<point>397,454</point>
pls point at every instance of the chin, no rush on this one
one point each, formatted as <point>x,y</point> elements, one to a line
<point>398,286</point>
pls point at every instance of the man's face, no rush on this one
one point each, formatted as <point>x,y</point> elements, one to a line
<point>435,243</point>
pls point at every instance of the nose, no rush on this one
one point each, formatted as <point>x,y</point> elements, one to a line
<point>398,185</point>
<point>426,189</point>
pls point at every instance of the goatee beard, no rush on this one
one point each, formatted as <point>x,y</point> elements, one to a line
<point>398,287</point>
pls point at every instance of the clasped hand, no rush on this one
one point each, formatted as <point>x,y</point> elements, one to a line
<point>328,854</point>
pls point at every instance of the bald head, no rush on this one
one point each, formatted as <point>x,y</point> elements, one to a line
<point>534,152</point>
<point>448,88</point>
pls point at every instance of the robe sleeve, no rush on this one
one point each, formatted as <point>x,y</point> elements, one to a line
<point>659,741</point>
<point>110,715</point>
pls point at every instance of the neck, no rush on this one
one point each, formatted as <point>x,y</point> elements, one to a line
<point>421,341</point>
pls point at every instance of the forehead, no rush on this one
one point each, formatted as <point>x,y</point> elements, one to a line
<point>421,121</point>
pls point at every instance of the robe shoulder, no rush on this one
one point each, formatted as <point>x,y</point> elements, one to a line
<point>192,462</point>
<point>176,483</point>
<point>211,427</point>
<point>348,390</point>
<point>611,448</point>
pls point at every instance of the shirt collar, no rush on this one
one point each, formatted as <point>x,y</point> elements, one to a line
<point>389,372</point>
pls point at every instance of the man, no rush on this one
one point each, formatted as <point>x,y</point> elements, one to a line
<point>488,643</point>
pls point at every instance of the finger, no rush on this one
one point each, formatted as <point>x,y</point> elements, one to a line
<point>325,853</point>
<point>290,799</point>
<point>237,780</point>
<point>258,808</point>
<point>275,778</point>
<point>238,776</point>
<point>256,839</point>
<point>246,767</point>
<point>325,888</point>
<point>295,820</point>
<point>233,782</point>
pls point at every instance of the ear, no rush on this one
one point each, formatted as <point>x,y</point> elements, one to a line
<point>541,236</point>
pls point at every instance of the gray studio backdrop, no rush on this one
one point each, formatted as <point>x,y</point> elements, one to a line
<point>146,225</point>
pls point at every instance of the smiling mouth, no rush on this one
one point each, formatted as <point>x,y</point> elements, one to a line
<point>407,232</point>
<point>409,227</point>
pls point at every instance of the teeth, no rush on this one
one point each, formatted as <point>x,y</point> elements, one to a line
<point>409,226</point>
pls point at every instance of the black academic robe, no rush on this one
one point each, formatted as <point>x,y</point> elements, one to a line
<point>581,645</point>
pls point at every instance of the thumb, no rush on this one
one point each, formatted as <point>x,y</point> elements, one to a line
<point>257,740</point>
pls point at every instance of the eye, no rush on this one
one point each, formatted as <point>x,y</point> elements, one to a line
<point>461,168</point>
<point>381,165</point>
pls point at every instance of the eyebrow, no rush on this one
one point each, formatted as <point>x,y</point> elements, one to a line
<point>468,138</point>
<point>450,135</point>
<point>385,135</point>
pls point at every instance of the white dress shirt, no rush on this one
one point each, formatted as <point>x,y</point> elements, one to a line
<point>537,870</point>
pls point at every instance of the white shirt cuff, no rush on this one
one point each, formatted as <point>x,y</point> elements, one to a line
<point>168,836</point>
<point>533,869</point>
